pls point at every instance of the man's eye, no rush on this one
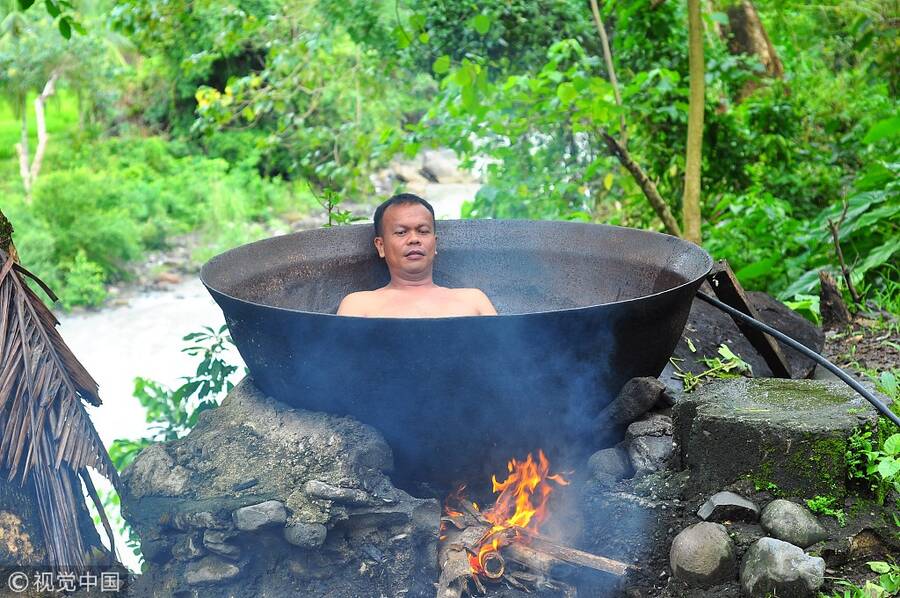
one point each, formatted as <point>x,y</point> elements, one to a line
<point>400,232</point>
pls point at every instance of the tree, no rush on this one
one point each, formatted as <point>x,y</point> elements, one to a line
<point>746,35</point>
<point>33,64</point>
<point>694,157</point>
<point>36,62</point>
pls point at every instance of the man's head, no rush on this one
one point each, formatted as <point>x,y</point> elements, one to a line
<point>398,200</point>
<point>405,236</point>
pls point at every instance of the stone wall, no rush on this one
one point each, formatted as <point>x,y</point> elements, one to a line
<point>264,500</point>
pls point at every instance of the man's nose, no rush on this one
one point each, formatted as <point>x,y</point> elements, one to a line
<point>413,238</point>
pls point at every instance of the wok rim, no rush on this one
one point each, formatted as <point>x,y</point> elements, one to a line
<point>688,245</point>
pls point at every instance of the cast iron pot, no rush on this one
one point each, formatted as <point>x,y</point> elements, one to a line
<point>583,309</point>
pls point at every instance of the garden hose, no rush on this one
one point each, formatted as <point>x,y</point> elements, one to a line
<point>785,339</point>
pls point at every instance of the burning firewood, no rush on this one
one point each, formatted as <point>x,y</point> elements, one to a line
<point>502,544</point>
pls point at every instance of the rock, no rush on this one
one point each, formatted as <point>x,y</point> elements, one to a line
<point>188,548</point>
<point>264,514</point>
<point>210,570</point>
<point>217,542</point>
<point>154,473</point>
<point>350,496</point>
<point>635,399</point>
<point>409,173</point>
<point>703,555</point>
<point>650,453</point>
<point>728,506</point>
<point>655,425</point>
<point>772,567</point>
<point>708,328</point>
<point>792,523</point>
<point>199,520</point>
<point>443,166</point>
<point>167,277</point>
<point>610,462</point>
<point>286,451</point>
<point>305,535</point>
<point>790,434</point>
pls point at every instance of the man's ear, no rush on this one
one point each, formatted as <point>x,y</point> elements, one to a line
<point>379,246</point>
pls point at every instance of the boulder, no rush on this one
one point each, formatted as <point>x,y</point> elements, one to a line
<point>703,555</point>
<point>792,523</point>
<point>789,434</point>
<point>728,506</point>
<point>775,568</point>
<point>263,485</point>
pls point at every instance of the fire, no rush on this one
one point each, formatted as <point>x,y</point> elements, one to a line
<point>521,505</point>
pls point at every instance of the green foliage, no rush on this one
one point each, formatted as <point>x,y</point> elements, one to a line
<point>887,584</point>
<point>172,413</point>
<point>825,505</point>
<point>726,365</point>
<point>330,201</point>
<point>119,198</point>
<point>513,34</point>
<point>84,283</point>
<point>875,462</point>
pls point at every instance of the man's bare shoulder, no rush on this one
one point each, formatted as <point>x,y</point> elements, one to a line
<point>478,299</point>
<point>358,303</point>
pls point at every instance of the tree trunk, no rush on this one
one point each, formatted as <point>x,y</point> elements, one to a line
<point>22,148</point>
<point>745,34</point>
<point>611,69</point>
<point>694,157</point>
<point>646,185</point>
<point>30,168</point>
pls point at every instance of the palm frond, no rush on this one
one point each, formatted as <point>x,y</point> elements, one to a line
<point>45,431</point>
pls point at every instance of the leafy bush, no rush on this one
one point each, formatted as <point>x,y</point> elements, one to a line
<point>83,283</point>
<point>120,198</point>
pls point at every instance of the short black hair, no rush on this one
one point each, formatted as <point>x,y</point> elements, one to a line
<point>398,200</point>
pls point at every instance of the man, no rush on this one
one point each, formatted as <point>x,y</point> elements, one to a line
<point>405,239</point>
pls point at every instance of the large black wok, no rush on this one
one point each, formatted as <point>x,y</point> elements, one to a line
<point>583,309</point>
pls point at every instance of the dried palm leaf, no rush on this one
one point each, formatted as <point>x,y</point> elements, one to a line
<point>45,432</point>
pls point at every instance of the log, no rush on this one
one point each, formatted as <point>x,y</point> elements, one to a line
<point>574,556</point>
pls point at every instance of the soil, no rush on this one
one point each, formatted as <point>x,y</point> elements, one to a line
<point>870,344</point>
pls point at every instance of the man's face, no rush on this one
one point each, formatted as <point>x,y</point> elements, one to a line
<point>407,243</point>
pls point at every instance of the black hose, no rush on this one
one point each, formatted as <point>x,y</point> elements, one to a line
<point>806,351</point>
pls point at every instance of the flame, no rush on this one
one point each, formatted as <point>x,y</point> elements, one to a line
<point>521,503</point>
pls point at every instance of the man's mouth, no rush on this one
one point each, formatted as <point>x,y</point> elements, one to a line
<point>415,253</point>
